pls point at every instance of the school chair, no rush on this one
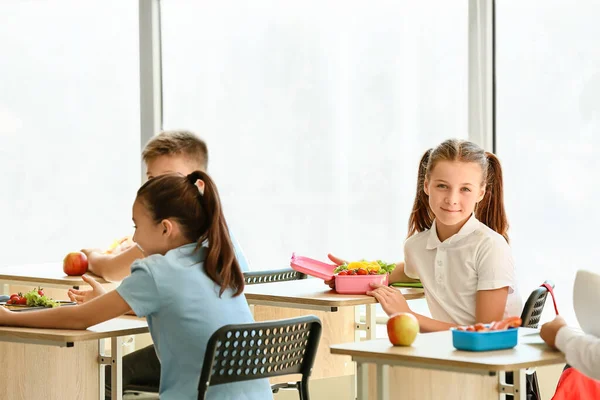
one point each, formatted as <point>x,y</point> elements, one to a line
<point>273,275</point>
<point>532,310</point>
<point>530,317</point>
<point>243,352</point>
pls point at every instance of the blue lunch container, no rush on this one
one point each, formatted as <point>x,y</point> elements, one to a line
<point>484,341</point>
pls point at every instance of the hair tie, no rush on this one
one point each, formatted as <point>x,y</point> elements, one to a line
<point>194,178</point>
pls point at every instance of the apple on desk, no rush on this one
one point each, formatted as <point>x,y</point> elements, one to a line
<point>75,263</point>
<point>402,329</point>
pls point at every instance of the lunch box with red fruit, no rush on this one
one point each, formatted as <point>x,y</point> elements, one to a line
<point>358,284</point>
<point>485,337</point>
<point>347,281</point>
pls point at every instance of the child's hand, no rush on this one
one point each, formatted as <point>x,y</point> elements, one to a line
<point>336,261</point>
<point>331,283</point>
<point>83,296</point>
<point>550,330</point>
<point>391,300</point>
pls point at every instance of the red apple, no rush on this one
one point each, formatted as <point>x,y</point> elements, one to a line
<point>402,329</point>
<point>75,263</point>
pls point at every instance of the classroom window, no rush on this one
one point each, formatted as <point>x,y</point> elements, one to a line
<point>316,115</point>
<point>548,119</point>
<point>69,124</point>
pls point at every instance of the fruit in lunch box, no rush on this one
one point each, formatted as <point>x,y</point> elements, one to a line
<point>402,329</point>
<point>75,263</point>
<point>364,268</point>
<point>510,322</point>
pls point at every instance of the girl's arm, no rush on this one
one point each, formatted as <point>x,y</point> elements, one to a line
<point>398,275</point>
<point>582,351</point>
<point>490,305</point>
<point>98,310</point>
<point>113,267</point>
<point>489,308</point>
<point>392,302</point>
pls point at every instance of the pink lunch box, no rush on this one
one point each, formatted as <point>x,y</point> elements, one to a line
<point>358,284</point>
<point>345,284</point>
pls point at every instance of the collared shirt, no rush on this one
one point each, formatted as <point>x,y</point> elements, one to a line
<point>476,258</point>
<point>582,351</point>
<point>183,309</point>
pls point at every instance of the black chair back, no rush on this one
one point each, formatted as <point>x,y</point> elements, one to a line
<point>243,352</point>
<point>532,310</point>
<point>274,275</point>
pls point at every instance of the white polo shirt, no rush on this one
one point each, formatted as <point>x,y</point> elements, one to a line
<point>476,258</point>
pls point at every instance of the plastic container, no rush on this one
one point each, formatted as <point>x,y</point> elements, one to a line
<point>485,341</point>
<point>344,284</point>
<point>358,284</point>
<point>312,267</point>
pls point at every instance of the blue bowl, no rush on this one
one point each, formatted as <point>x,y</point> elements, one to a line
<point>485,341</point>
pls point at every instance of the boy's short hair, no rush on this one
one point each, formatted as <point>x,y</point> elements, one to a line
<point>180,142</point>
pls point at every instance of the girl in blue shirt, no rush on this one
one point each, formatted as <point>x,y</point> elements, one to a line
<point>189,285</point>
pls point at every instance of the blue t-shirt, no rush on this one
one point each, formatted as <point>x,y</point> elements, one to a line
<point>183,309</point>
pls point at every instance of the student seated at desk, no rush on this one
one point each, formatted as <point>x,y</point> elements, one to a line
<point>169,152</point>
<point>582,351</point>
<point>581,348</point>
<point>189,285</point>
<point>457,242</point>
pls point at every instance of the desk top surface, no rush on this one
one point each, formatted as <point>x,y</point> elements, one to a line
<point>435,349</point>
<point>43,274</point>
<point>312,292</point>
<point>121,326</point>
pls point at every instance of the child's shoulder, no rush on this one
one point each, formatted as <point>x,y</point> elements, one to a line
<point>489,237</point>
<point>418,239</point>
<point>148,263</point>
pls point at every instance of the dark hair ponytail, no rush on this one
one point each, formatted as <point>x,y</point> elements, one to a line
<point>200,217</point>
<point>490,209</point>
<point>421,216</point>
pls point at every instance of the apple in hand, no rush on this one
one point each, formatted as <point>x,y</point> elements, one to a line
<point>75,263</point>
<point>402,329</point>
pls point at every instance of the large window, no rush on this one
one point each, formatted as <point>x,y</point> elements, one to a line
<point>69,125</point>
<point>548,113</point>
<point>316,114</point>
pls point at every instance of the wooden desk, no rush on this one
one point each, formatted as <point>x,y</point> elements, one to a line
<point>434,351</point>
<point>47,275</point>
<point>312,294</point>
<point>64,364</point>
<point>339,314</point>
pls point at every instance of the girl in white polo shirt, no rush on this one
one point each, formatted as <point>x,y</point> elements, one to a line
<point>457,241</point>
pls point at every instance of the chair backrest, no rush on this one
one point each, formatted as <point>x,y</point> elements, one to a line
<point>532,311</point>
<point>259,350</point>
<point>274,275</point>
